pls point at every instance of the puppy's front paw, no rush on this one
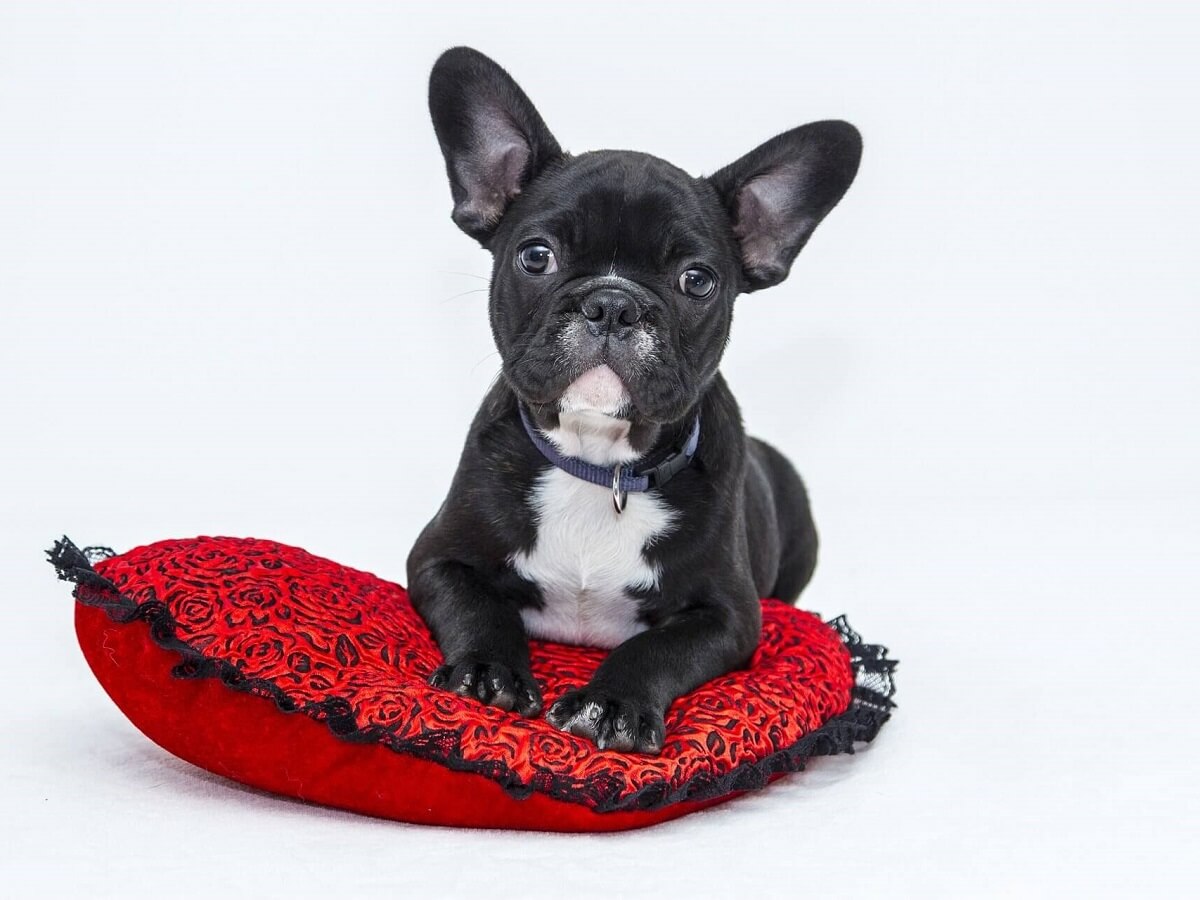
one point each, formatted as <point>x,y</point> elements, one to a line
<point>492,683</point>
<point>612,722</point>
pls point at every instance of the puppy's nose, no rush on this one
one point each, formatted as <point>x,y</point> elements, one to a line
<point>610,311</point>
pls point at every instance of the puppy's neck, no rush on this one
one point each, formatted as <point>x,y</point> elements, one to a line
<point>594,420</point>
<point>607,441</point>
<point>595,437</point>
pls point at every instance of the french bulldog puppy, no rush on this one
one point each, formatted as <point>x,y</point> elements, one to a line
<point>607,494</point>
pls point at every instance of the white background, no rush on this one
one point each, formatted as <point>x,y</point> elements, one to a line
<point>233,302</point>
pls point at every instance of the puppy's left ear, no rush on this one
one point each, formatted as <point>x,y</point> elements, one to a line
<point>779,192</point>
<point>491,135</point>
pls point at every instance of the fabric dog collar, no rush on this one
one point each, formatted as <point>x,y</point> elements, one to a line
<point>622,478</point>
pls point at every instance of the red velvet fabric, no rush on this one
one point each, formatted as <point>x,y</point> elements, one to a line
<point>235,624</point>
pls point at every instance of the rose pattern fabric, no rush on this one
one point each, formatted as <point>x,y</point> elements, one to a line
<point>344,646</point>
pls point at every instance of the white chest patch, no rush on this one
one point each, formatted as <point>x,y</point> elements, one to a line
<point>585,559</point>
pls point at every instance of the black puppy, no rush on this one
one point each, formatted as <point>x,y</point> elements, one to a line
<point>607,494</point>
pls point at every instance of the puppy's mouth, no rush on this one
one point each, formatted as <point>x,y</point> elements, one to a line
<point>608,371</point>
<point>599,391</point>
<point>570,366</point>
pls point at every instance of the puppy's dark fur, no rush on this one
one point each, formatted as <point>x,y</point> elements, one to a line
<point>621,224</point>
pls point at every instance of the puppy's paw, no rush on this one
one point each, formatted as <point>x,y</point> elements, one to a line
<point>492,683</point>
<point>610,721</point>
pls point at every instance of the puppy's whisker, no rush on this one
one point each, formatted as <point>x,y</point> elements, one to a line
<point>484,359</point>
<point>465,274</point>
<point>464,294</point>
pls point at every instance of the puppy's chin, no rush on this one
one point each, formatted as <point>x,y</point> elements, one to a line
<point>599,391</point>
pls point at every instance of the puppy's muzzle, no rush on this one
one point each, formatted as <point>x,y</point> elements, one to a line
<point>611,312</point>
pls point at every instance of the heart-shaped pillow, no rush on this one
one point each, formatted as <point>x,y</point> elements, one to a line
<point>191,638</point>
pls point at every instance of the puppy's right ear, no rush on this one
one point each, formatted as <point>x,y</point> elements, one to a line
<point>493,139</point>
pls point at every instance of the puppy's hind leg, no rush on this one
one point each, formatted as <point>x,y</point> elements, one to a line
<point>797,532</point>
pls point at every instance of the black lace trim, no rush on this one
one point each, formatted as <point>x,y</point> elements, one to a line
<point>870,707</point>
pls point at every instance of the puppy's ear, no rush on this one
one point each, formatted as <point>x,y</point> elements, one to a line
<point>777,194</point>
<point>493,139</point>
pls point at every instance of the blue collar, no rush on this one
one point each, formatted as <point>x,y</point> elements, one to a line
<point>622,479</point>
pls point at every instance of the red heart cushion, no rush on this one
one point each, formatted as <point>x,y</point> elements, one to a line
<point>189,636</point>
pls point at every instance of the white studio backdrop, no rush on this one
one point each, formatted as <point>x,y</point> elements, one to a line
<point>232,302</point>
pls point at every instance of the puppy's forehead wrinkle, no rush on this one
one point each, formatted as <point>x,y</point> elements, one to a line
<point>615,281</point>
<point>612,265</point>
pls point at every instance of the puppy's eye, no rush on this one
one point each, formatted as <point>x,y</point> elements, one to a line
<point>537,259</point>
<point>698,283</point>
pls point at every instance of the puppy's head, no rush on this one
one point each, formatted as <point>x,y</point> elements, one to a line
<point>615,272</point>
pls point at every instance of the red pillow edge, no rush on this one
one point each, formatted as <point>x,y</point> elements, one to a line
<point>224,731</point>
